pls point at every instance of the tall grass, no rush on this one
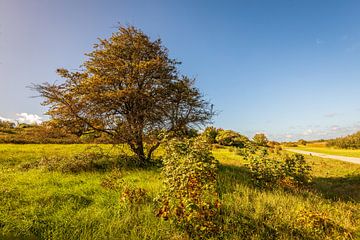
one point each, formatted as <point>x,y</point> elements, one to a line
<point>36,203</point>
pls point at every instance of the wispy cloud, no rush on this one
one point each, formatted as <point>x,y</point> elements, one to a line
<point>330,115</point>
<point>315,133</point>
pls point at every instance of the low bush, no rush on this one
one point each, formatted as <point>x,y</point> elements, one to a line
<point>231,138</point>
<point>290,144</point>
<point>190,198</point>
<point>289,171</point>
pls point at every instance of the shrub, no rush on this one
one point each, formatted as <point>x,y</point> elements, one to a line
<point>210,134</point>
<point>290,144</point>
<point>289,171</point>
<point>302,142</point>
<point>190,198</point>
<point>231,138</point>
<point>260,139</point>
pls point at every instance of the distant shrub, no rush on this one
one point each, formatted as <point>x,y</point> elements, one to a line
<point>190,198</point>
<point>210,134</point>
<point>273,144</point>
<point>290,144</point>
<point>260,139</point>
<point>231,138</point>
<point>302,142</point>
<point>288,171</point>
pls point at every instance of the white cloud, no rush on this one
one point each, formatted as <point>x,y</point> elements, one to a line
<point>308,132</point>
<point>28,118</point>
<point>5,119</point>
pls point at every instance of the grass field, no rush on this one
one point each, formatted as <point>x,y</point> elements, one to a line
<point>331,151</point>
<point>38,203</point>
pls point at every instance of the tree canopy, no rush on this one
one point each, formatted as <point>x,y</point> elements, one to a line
<point>130,89</point>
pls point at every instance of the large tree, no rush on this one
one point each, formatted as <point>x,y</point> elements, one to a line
<point>129,89</point>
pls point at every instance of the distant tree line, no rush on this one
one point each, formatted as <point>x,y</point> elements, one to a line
<point>349,142</point>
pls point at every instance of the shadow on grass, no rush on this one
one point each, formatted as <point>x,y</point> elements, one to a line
<point>345,189</point>
<point>90,162</point>
<point>230,176</point>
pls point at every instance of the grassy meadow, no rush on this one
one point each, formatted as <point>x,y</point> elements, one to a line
<point>321,148</point>
<point>37,202</point>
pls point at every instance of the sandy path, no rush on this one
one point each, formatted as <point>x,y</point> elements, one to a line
<point>322,155</point>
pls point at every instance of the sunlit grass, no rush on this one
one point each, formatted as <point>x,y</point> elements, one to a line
<point>331,151</point>
<point>42,204</point>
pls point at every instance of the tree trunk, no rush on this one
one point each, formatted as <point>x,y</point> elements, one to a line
<point>139,151</point>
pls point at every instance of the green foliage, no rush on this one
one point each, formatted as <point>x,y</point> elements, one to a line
<point>349,142</point>
<point>210,134</point>
<point>231,138</point>
<point>260,139</point>
<point>190,198</point>
<point>302,142</point>
<point>287,170</point>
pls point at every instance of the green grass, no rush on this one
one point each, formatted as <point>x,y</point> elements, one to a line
<point>40,204</point>
<point>331,151</point>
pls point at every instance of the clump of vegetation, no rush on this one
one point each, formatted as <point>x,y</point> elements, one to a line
<point>260,139</point>
<point>290,144</point>
<point>134,195</point>
<point>286,170</point>
<point>231,138</point>
<point>320,226</point>
<point>190,198</point>
<point>302,142</point>
<point>349,142</point>
<point>210,134</point>
<point>112,181</point>
<point>6,125</point>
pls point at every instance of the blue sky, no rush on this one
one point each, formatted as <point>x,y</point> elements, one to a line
<point>287,68</point>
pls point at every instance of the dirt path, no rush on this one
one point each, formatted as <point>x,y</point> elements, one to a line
<point>322,155</point>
